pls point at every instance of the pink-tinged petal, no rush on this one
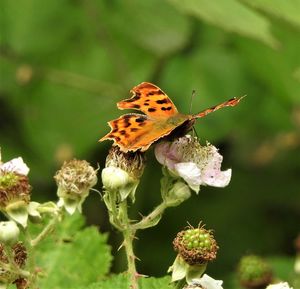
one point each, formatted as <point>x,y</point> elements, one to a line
<point>190,173</point>
<point>16,165</point>
<point>219,179</point>
<point>166,154</point>
<point>211,170</point>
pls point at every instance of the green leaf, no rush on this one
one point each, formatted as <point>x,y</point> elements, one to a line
<point>73,256</point>
<point>229,15</point>
<point>121,282</point>
<point>153,25</point>
<point>287,10</point>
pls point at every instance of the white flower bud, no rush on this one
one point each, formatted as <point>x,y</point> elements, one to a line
<point>114,178</point>
<point>9,232</point>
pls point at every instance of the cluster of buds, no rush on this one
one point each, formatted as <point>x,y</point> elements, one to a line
<point>122,172</point>
<point>74,181</point>
<point>195,247</point>
<point>254,272</point>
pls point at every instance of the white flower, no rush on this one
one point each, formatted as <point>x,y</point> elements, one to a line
<point>16,165</point>
<point>196,164</point>
<point>206,282</point>
<point>281,285</point>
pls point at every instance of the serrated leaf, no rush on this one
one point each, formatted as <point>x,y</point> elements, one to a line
<point>229,15</point>
<point>121,282</point>
<point>73,256</point>
<point>288,10</point>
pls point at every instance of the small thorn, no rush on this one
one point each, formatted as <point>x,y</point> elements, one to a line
<point>121,246</point>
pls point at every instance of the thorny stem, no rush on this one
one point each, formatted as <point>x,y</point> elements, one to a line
<point>50,226</point>
<point>146,222</point>
<point>129,234</point>
<point>30,258</point>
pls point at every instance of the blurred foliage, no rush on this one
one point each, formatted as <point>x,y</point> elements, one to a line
<point>65,63</point>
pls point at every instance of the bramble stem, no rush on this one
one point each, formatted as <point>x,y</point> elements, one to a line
<point>129,234</point>
<point>47,230</point>
<point>151,219</point>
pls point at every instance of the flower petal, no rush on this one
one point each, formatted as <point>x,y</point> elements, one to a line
<point>211,171</point>
<point>207,282</point>
<point>281,285</point>
<point>16,165</point>
<point>167,154</point>
<point>190,173</point>
<point>220,179</point>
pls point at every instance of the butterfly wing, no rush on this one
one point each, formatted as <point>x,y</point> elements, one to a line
<point>151,100</point>
<point>231,102</point>
<point>133,131</point>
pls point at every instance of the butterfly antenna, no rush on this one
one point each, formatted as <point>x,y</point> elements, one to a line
<point>191,100</point>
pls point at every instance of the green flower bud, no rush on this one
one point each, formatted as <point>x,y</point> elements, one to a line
<point>178,193</point>
<point>9,232</point>
<point>254,272</point>
<point>74,181</point>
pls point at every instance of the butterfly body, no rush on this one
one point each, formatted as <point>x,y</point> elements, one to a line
<point>133,131</point>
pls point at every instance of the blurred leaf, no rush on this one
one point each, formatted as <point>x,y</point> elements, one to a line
<point>153,25</point>
<point>121,282</point>
<point>73,255</point>
<point>288,10</point>
<point>283,266</point>
<point>230,15</point>
<point>31,26</point>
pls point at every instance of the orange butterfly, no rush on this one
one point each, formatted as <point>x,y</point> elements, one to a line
<point>133,131</point>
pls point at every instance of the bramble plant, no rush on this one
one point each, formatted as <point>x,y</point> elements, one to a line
<point>43,245</point>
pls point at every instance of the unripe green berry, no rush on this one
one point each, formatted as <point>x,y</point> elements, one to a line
<point>196,245</point>
<point>254,272</point>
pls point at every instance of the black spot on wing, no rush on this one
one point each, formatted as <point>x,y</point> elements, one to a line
<point>140,119</point>
<point>151,109</point>
<point>136,97</point>
<point>162,101</point>
<point>166,108</point>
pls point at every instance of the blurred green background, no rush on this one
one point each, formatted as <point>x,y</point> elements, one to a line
<point>65,63</point>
